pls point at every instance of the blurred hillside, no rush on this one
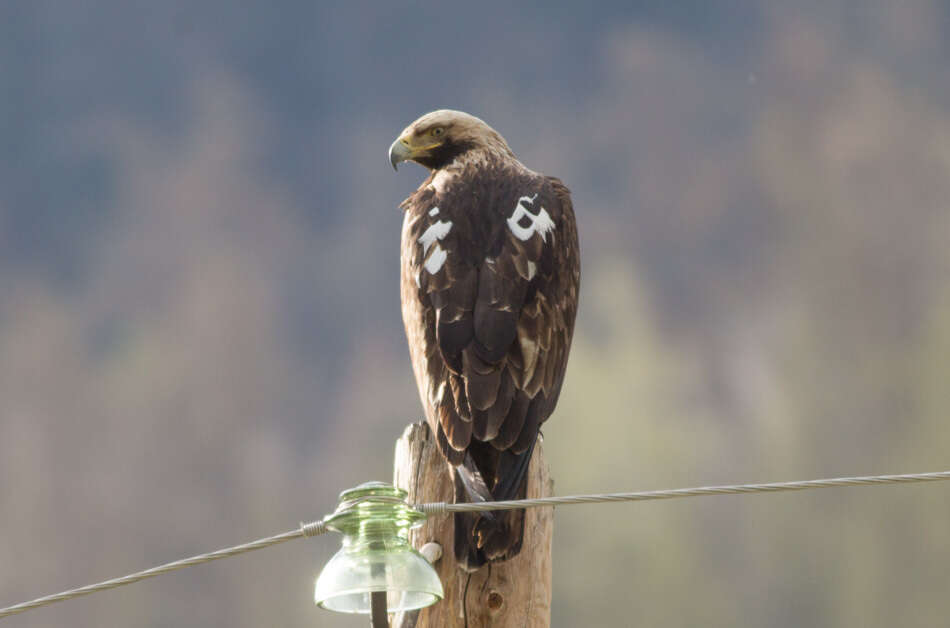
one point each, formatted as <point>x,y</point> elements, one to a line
<point>200,338</point>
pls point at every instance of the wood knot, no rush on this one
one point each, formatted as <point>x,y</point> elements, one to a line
<point>495,601</point>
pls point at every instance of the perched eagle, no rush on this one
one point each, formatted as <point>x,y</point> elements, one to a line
<point>490,277</point>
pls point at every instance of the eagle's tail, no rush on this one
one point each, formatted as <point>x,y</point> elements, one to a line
<point>492,535</point>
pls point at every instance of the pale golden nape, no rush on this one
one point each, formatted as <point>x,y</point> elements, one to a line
<point>458,123</point>
<point>437,139</point>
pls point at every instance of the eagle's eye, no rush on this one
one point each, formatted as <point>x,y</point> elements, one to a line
<point>437,131</point>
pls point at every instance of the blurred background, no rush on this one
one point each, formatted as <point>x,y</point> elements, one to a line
<point>200,334</point>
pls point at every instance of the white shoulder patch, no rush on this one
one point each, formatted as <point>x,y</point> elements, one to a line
<point>434,211</point>
<point>436,231</point>
<point>541,222</point>
<point>430,238</point>
<point>435,261</point>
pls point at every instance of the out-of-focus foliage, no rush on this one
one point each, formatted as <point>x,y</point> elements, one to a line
<point>200,340</point>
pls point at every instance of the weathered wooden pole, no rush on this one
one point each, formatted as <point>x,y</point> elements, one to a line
<point>516,592</point>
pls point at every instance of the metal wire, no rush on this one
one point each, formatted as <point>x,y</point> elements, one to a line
<point>318,527</point>
<point>305,530</point>
<point>730,489</point>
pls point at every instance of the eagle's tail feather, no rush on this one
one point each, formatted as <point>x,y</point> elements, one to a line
<point>512,471</point>
<point>486,536</point>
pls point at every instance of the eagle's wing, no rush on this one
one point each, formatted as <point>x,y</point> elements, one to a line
<point>493,269</point>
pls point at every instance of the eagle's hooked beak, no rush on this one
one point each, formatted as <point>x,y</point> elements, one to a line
<point>399,151</point>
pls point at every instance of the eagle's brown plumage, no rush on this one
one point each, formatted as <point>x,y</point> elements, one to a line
<point>490,278</point>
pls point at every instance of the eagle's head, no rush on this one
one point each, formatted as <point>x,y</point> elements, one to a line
<point>441,137</point>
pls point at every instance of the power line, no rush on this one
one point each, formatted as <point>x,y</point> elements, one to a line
<point>729,489</point>
<point>318,527</point>
<point>305,530</point>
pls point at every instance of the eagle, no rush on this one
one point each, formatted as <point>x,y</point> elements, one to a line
<point>490,273</point>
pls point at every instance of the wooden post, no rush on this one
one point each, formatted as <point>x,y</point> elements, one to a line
<point>516,592</point>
